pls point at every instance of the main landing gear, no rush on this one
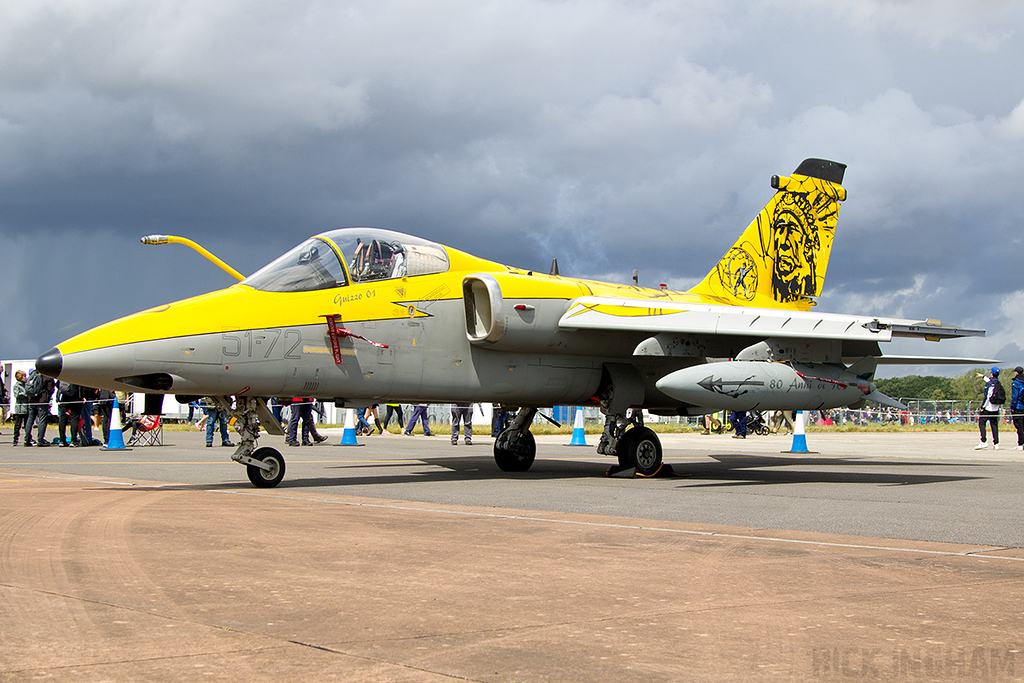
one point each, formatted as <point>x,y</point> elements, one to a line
<point>515,448</point>
<point>265,466</point>
<point>635,445</point>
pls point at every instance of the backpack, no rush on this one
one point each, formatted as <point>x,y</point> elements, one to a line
<point>998,394</point>
<point>69,392</point>
<point>34,387</point>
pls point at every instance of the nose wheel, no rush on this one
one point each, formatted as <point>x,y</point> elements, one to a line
<point>271,473</point>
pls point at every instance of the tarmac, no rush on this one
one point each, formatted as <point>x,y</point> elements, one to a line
<point>411,560</point>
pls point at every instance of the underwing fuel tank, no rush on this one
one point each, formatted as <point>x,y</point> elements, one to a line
<point>760,385</point>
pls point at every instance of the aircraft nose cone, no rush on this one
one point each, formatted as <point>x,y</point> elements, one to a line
<point>50,363</point>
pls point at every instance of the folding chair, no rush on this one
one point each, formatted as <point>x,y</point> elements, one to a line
<point>147,430</point>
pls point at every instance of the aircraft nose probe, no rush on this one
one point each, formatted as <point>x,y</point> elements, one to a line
<point>50,363</point>
<point>174,239</point>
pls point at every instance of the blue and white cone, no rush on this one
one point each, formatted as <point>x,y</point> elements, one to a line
<point>799,437</point>
<point>115,439</point>
<point>578,438</point>
<point>348,437</point>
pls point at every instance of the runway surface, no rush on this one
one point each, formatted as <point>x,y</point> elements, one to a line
<point>884,557</point>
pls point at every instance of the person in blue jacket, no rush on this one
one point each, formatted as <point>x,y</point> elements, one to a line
<point>989,412</point>
<point>1017,404</point>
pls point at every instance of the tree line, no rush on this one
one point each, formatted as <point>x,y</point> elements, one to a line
<point>964,387</point>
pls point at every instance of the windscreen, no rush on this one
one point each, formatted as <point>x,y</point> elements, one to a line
<point>310,266</point>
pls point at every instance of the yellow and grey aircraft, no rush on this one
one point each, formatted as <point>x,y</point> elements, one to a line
<point>363,315</point>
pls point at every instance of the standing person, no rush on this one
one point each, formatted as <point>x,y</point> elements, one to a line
<point>362,426</point>
<point>994,397</point>
<point>104,409</point>
<point>1016,405</point>
<point>275,408</point>
<point>373,410</point>
<point>783,420</point>
<point>192,405</point>
<point>419,412</point>
<point>5,401</point>
<point>215,414</point>
<point>38,390</point>
<point>707,421</point>
<point>69,411</point>
<point>739,422</point>
<point>20,406</point>
<point>394,409</point>
<point>464,412</point>
<point>122,405</point>
<point>497,419</point>
<point>88,395</point>
<point>302,409</point>
<point>201,422</point>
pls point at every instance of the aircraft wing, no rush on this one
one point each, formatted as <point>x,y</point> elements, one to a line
<point>651,315</point>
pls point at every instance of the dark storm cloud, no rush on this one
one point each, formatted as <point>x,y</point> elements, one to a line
<point>611,135</point>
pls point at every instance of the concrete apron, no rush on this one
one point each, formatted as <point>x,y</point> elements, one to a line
<point>102,580</point>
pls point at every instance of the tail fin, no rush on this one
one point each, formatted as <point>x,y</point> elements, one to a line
<point>781,259</point>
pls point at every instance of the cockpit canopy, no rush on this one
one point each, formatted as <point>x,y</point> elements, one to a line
<point>335,258</point>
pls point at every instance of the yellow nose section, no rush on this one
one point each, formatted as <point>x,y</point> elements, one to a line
<point>236,308</point>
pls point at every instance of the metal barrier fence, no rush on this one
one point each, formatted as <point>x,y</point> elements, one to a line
<point>921,411</point>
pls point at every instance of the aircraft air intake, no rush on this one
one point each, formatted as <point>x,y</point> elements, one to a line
<point>484,311</point>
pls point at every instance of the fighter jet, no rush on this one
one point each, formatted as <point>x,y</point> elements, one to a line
<point>364,315</point>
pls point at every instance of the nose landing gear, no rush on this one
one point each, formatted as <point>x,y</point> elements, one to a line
<point>264,466</point>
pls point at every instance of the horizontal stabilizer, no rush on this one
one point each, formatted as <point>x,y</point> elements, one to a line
<point>933,360</point>
<point>878,397</point>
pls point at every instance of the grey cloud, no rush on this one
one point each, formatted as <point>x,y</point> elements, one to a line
<point>612,135</point>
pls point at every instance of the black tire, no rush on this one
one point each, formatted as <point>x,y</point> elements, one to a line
<point>643,450</point>
<point>623,450</point>
<point>263,479</point>
<point>518,458</point>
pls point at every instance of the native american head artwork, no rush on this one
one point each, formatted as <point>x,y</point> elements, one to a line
<point>802,227</point>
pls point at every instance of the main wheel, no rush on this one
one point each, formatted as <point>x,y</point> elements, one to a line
<point>266,479</point>
<point>624,450</point>
<point>642,450</point>
<point>513,454</point>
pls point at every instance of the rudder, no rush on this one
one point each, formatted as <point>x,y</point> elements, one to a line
<point>781,259</point>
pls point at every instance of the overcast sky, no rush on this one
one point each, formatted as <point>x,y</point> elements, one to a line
<point>612,135</point>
